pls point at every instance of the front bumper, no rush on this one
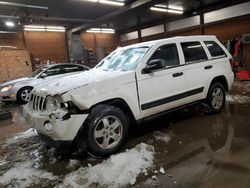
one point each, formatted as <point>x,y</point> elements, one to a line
<point>8,95</point>
<point>62,130</point>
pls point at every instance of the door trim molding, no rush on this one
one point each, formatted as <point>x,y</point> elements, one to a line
<point>171,98</point>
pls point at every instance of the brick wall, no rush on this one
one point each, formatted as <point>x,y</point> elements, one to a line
<point>14,64</point>
<point>47,45</point>
<point>108,42</point>
<point>12,39</point>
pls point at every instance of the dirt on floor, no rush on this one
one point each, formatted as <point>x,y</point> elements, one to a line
<point>182,149</point>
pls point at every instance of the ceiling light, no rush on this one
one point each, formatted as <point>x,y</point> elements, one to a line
<point>175,11</point>
<point>55,30</point>
<point>95,1</point>
<point>158,9</point>
<point>9,23</point>
<point>33,29</point>
<point>175,7</point>
<point>44,28</point>
<point>109,2</point>
<point>163,8</point>
<point>101,30</point>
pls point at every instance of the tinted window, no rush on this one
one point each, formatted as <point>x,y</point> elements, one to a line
<point>168,53</point>
<point>214,49</point>
<point>193,52</point>
<point>72,68</point>
<point>55,70</point>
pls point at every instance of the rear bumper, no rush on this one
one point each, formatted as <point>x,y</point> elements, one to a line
<point>230,80</point>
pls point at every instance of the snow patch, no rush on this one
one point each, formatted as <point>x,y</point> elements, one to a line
<point>117,171</point>
<point>162,136</point>
<point>162,170</point>
<point>24,175</point>
<point>20,136</point>
<point>237,99</point>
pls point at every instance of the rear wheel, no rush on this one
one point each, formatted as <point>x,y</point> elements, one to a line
<point>216,97</point>
<point>107,130</point>
<point>23,95</point>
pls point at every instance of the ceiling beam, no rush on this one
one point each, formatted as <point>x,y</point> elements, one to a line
<point>130,7</point>
<point>75,20</point>
<point>5,3</point>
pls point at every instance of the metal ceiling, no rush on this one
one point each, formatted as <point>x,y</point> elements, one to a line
<point>81,15</point>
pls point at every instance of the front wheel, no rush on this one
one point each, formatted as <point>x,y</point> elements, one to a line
<point>23,95</point>
<point>216,97</point>
<point>107,130</point>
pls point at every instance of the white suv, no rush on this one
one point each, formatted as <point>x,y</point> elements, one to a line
<point>95,109</point>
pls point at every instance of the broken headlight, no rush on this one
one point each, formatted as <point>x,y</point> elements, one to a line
<point>52,104</point>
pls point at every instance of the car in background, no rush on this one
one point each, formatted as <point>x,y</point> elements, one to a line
<point>19,89</point>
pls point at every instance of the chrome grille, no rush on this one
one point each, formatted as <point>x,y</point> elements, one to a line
<point>37,102</point>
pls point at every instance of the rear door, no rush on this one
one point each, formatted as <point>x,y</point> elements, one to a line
<point>161,89</point>
<point>196,64</point>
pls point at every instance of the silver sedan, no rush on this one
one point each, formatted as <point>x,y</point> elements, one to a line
<point>19,89</point>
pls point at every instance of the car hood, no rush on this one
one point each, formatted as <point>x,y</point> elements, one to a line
<point>12,82</point>
<point>62,85</point>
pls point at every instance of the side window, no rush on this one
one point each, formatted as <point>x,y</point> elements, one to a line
<point>168,53</point>
<point>193,52</point>
<point>72,68</point>
<point>55,70</point>
<point>214,49</point>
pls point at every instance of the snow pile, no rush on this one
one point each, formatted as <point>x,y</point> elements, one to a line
<point>24,175</point>
<point>119,170</point>
<point>21,136</point>
<point>162,136</point>
<point>237,99</point>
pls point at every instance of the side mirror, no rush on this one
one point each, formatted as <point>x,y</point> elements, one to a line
<point>153,65</point>
<point>43,75</point>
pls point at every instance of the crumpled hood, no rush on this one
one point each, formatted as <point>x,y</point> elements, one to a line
<point>12,82</point>
<point>67,83</point>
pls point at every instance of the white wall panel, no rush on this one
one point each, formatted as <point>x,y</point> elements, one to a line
<point>184,23</point>
<point>229,12</point>
<point>152,30</point>
<point>129,36</point>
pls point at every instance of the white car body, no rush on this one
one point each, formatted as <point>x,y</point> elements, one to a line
<point>145,94</point>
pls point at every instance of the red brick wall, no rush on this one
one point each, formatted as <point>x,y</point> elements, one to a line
<point>47,45</point>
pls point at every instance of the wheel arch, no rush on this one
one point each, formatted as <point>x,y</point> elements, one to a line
<point>119,103</point>
<point>221,79</point>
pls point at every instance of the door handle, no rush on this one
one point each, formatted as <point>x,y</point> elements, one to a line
<point>177,74</point>
<point>208,67</point>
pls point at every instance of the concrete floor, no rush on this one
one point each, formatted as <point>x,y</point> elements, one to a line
<point>196,150</point>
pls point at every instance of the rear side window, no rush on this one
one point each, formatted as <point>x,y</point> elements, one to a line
<point>193,52</point>
<point>55,70</point>
<point>168,53</point>
<point>214,49</point>
<point>72,68</point>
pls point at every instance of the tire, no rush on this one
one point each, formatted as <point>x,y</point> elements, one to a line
<point>107,129</point>
<point>216,98</point>
<point>23,95</point>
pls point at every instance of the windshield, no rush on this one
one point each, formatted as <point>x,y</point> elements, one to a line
<point>123,59</point>
<point>36,72</point>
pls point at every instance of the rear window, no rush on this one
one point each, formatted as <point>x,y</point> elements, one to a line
<point>193,52</point>
<point>214,49</point>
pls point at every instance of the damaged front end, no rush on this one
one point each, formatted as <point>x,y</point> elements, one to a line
<point>55,121</point>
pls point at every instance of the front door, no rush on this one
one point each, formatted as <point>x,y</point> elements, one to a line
<point>162,88</point>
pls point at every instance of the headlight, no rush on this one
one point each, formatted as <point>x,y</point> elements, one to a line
<point>52,104</point>
<point>6,88</point>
